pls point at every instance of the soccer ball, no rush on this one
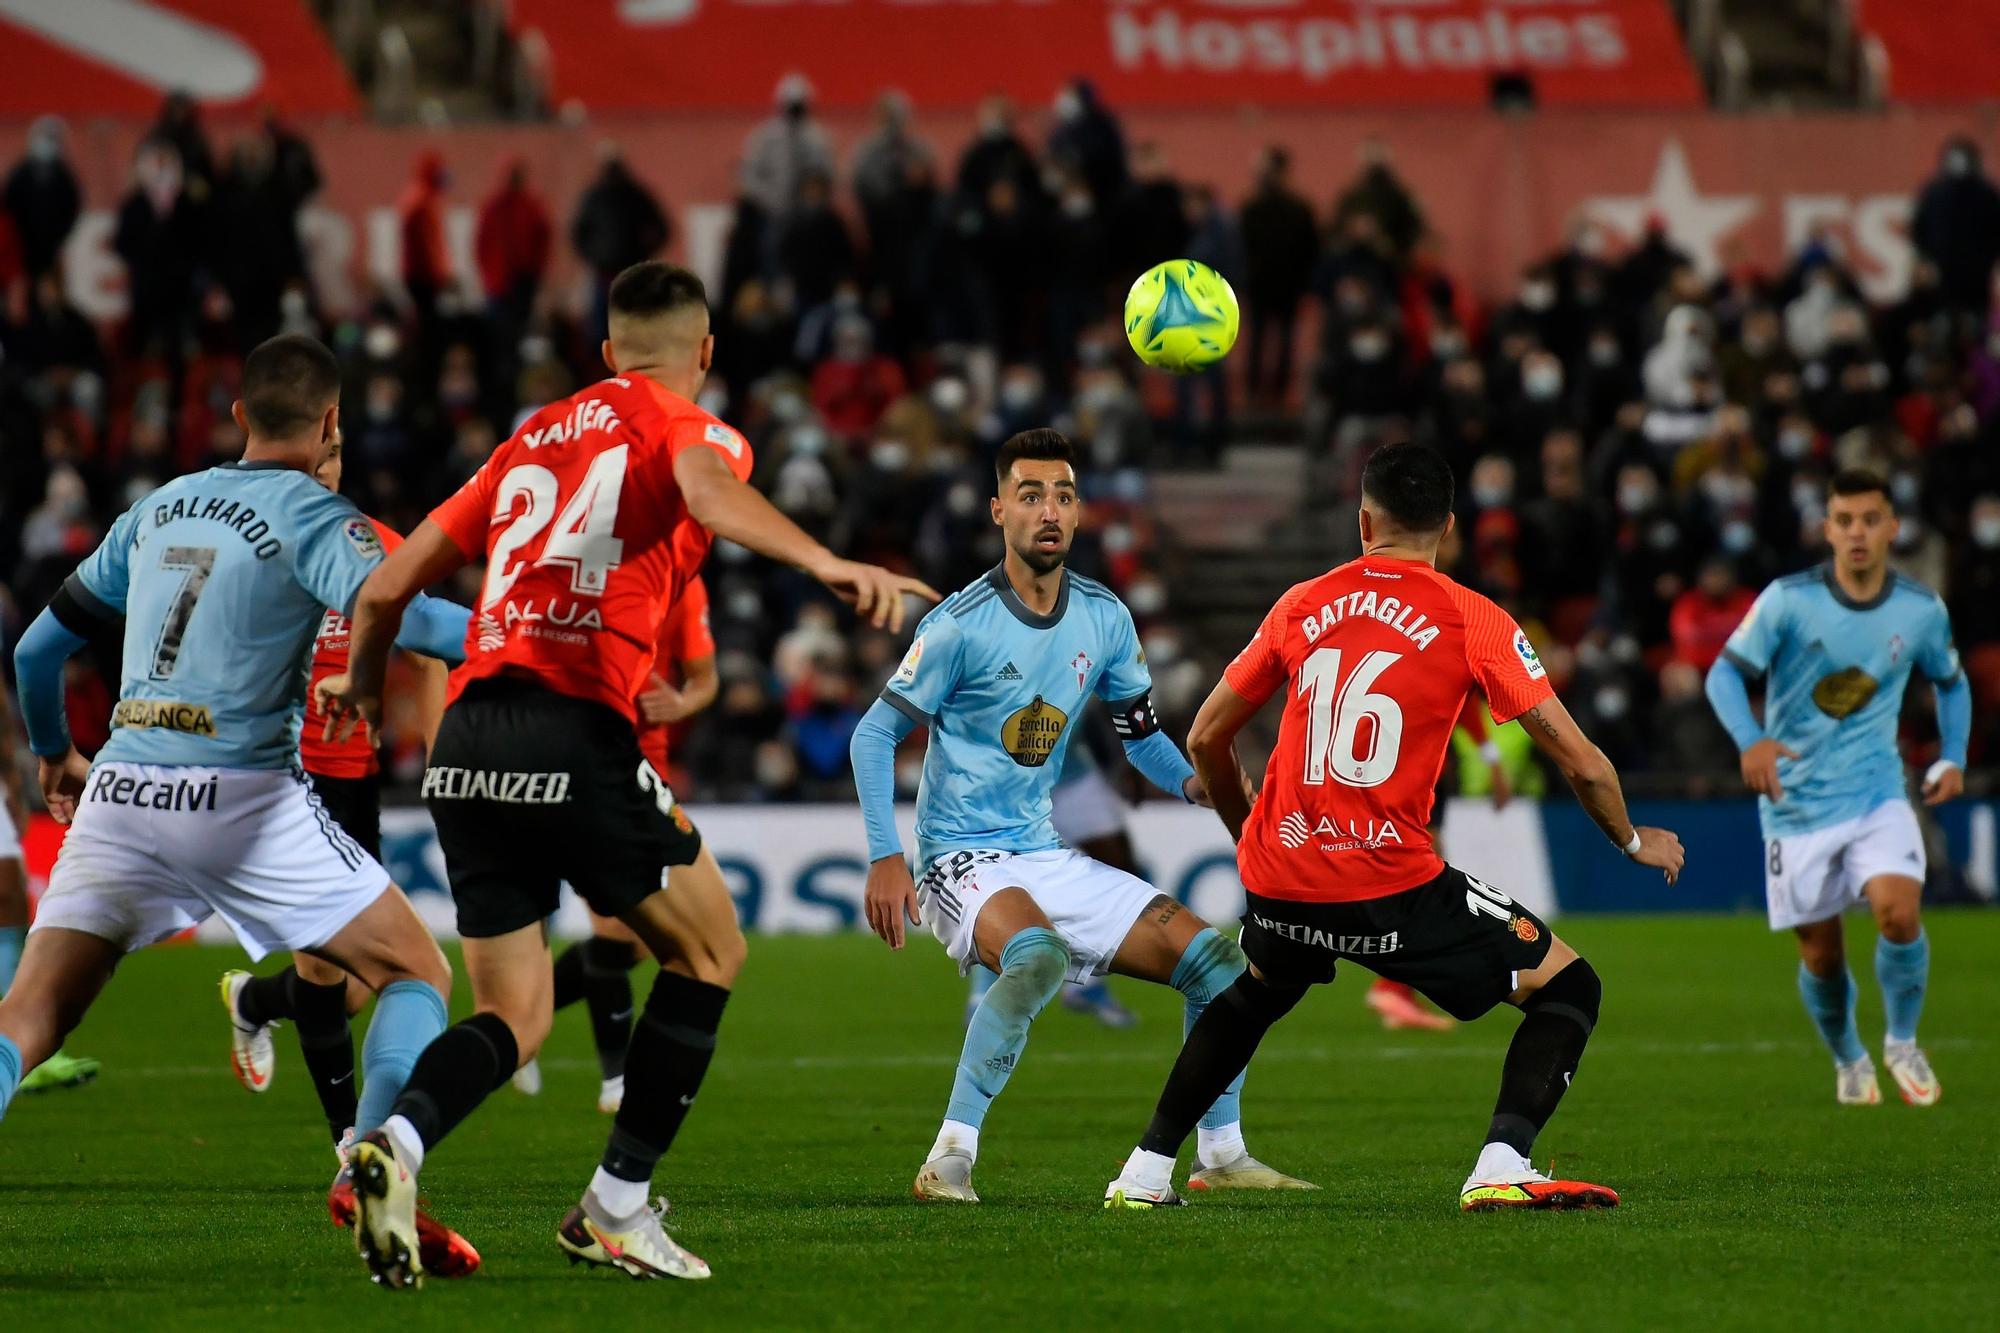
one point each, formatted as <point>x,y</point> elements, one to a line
<point>1181,316</point>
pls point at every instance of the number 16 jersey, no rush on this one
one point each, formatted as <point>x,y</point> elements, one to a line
<point>1375,659</point>
<point>586,538</point>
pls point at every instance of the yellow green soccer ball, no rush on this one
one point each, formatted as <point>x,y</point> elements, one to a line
<point>1181,316</point>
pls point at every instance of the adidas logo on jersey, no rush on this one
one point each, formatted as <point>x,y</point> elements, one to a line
<point>1009,672</point>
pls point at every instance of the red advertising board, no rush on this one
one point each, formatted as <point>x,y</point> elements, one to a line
<point>119,57</point>
<point>1940,50</point>
<point>627,54</point>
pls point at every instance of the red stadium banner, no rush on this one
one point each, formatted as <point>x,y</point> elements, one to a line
<point>1940,50</point>
<point>119,57</point>
<point>687,54</point>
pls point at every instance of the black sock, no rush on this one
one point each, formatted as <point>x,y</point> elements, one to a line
<point>569,976</point>
<point>454,1074</point>
<point>320,1015</point>
<point>1555,1023</point>
<point>607,987</point>
<point>1217,1049</point>
<point>267,999</point>
<point>670,1051</point>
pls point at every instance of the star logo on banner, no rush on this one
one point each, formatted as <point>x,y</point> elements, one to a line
<point>1697,223</point>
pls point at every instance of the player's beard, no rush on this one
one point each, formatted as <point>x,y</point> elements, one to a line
<point>1040,561</point>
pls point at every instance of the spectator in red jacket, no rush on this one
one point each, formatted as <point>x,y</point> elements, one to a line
<point>854,387</point>
<point>512,244</point>
<point>426,264</point>
<point>1706,615</point>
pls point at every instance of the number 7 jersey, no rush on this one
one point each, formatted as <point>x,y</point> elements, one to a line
<point>1375,659</point>
<point>586,538</point>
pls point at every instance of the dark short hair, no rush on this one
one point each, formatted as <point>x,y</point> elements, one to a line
<point>288,383</point>
<point>1040,444</point>
<point>1411,485</point>
<point>1858,481</point>
<point>655,287</point>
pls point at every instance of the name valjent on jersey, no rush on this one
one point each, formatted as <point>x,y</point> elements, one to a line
<point>1397,614</point>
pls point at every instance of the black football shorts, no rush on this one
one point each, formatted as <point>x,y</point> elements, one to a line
<point>1459,941</point>
<point>529,788</point>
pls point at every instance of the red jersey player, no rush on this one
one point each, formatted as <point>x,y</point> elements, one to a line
<point>1374,660</point>
<point>590,518</point>
<point>598,970</point>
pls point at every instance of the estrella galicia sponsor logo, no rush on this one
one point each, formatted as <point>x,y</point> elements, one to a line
<point>121,788</point>
<point>445,783</point>
<point>166,714</point>
<point>1300,933</point>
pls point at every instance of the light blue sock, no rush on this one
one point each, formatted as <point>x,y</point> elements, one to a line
<point>1904,971</point>
<point>409,1015</point>
<point>1830,1001</point>
<point>1032,967</point>
<point>1208,967</point>
<point>12,940</point>
<point>10,1072</point>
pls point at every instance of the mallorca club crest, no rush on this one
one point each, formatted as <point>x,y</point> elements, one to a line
<point>1081,664</point>
<point>1524,929</point>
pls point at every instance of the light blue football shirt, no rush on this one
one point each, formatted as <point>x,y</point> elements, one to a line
<point>1837,669</point>
<point>223,577</point>
<point>1000,689</point>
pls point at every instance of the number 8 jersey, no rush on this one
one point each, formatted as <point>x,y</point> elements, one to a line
<point>586,538</point>
<point>1375,658</point>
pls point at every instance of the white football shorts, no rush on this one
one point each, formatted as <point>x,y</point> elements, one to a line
<point>1091,905</point>
<point>1817,875</point>
<point>155,849</point>
<point>10,837</point>
<point>1086,808</point>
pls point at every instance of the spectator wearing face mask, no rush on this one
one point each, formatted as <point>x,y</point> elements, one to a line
<point>1086,138</point>
<point>1649,553</point>
<point>1280,240</point>
<point>42,196</point>
<point>1746,363</point>
<point>1605,380</point>
<point>1957,225</point>
<point>159,238</point>
<point>1687,739</point>
<point>1707,614</point>
<point>787,149</point>
<point>997,153</point>
<point>1380,195</point>
<point>1564,541</point>
<point>1537,408</point>
<point>853,388</point>
<point>1846,385</point>
<point>1975,578</point>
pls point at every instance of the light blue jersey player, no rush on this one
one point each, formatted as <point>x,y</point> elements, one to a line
<point>997,673</point>
<point>196,804</point>
<point>1836,646</point>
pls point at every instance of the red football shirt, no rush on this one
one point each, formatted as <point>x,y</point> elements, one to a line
<point>1379,656</point>
<point>684,637</point>
<point>586,539</point>
<point>355,757</point>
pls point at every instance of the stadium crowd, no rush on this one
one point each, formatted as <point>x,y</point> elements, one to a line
<point>1640,447</point>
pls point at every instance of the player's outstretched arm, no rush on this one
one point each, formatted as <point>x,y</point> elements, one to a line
<point>1212,749</point>
<point>735,509</point>
<point>891,896</point>
<point>356,695</point>
<point>660,704</point>
<point>1595,782</point>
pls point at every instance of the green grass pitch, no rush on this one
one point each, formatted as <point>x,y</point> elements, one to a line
<point>164,1196</point>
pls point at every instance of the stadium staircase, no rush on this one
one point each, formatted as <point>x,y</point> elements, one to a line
<point>437,61</point>
<point>1236,537</point>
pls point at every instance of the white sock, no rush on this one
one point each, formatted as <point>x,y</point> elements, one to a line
<point>1148,1170</point>
<point>1217,1147</point>
<point>408,1145</point>
<point>1497,1160</point>
<point>612,1087</point>
<point>1890,1046</point>
<point>620,1198</point>
<point>956,1136</point>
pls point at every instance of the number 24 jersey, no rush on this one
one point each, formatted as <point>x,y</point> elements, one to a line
<point>1375,659</point>
<point>586,538</point>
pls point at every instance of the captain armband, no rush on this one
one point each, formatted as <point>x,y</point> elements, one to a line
<point>1135,719</point>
